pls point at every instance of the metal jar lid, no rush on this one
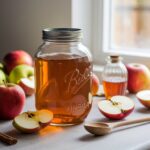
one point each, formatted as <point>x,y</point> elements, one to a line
<point>62,34</point>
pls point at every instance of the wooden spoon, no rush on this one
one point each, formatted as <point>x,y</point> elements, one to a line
<point>102,128</point>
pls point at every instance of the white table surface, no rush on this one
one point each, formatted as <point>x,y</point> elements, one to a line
<point>76,137</point>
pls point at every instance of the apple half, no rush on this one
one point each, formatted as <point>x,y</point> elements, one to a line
<point>28,85</point>
<point>118,107</point>
<point>32,121</point>
<point>144,97</point>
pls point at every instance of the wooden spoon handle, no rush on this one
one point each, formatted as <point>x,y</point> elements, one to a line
<point>129,122</point>
<point>7,139</point>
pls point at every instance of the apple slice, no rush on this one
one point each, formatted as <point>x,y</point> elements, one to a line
<point>28,85</point>
<point>44,116</point>
<point>32,121</point>
<point>118,107</point>
<point>144,97</point>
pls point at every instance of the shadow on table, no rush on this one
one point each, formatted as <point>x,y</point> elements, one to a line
<point>90,137</point>
<point>12,132</point>
<point>143,110</point>
<point>36,137</point>
<point>47,131</point>
<point>4,121</point>
<point>20,136</point>
<point>106,120</point>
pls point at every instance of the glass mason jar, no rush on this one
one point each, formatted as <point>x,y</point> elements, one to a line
<point>63,69</point>
<point>114,77</point>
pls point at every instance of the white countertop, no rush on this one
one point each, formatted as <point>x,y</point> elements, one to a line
<point>76,137</point>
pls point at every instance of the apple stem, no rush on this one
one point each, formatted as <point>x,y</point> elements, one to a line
<point>5,83</point>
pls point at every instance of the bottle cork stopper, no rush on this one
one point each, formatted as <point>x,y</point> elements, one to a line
<point>114,58</point>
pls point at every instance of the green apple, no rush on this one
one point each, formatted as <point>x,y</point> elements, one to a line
<point>2,77</point>
<point>1,66</point>
<point>19,72</point>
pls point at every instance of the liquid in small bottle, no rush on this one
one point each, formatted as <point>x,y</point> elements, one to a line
<point>114,77</point>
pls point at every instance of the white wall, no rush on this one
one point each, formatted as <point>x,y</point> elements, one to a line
<point>21,22</point>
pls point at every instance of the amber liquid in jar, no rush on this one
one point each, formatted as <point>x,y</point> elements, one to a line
<point>115,86</point>
<point>63,85</point>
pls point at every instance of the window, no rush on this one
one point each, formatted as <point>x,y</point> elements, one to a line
<point>129,26</point>
<point>125,29</point>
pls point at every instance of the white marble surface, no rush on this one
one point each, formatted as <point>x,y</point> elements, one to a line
<point>76,138</point>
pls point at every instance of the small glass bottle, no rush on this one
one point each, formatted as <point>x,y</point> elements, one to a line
<point>63,69</point>
<point>114,77</point>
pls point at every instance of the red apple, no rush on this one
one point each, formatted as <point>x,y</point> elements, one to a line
<point>12,99</point>
<point>28,85</point>
<point>32,121</point>
<point>144,97</point>
<point>17,57</point>
<point>118,107</point>
<point>138,77</point>
<point>95,84</point>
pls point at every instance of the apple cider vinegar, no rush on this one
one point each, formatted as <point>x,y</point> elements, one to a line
<point>63,70</point>
<point>114,77</point>
<point>115,87</point>
<point>63,85</point>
